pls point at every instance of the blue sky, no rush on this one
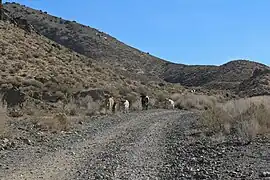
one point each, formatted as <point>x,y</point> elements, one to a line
<point>181,31</point>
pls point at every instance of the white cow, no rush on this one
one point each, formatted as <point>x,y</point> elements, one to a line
<point>172,104</point>
<point>110,104</point>
<point>126,105</point>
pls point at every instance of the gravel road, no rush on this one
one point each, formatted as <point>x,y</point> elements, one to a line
<point>153,144</point>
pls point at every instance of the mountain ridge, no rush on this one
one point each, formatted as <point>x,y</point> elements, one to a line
<point>106,49</point>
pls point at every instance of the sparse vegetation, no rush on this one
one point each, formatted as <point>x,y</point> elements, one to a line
<point>92,107</point>
<point>135,106</point>
<point>191,101</point>
<point>55,123</point>
<point>131,98</point>
<point>245,118</point>
<point>61,120</point>
<point>71,108</point>
<point>52,75</point>
<point>131,62</point>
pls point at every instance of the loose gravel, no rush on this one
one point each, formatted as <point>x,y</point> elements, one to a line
<point>153,144</point>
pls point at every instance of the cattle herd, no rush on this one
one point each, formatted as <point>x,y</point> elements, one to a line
<point>14,97</point>
<point>112,104</point>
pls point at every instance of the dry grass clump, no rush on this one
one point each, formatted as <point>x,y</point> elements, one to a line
<point>136,106</point>
<point>191,101</point>
<point>93,108</point>
<point>245,118</point>
<point>124,90</point>
<point>71,108</point>
<point>61,120</point>
<point>161,97</point>
<point>56,122</point>
<point>84,105</point>
<point>131,97</point>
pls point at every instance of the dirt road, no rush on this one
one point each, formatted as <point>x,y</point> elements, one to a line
<point>154,144</point>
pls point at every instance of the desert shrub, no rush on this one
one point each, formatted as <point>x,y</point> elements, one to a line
<point>62,121</point>
<point>153,103</point>
<point>255,120</point>
<point>141,90</point>
<point>92,107</point>
<point>136,106</point>
<point>245,118</point>
<point>84,101</point>
<point>71,108</point>
<point>131,97</point>
<point>193,101</point>
<point>176,96</point>
<point>215,119</point>
<point>123,91</point>
<point>161,97</point>
<point>55,123</point>
<point>88,105</point>
<point>29,107</point>
<point>72,111</point>
<point>159,100</point>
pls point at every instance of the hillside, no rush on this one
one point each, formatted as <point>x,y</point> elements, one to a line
<point>37,64</point>
<point>226,76</point>
<point>49,72</point>
<point>129,61</point>
<point>258,84</point>
<point>89,41</point>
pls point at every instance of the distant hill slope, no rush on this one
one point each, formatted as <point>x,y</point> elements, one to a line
<point>226,76</point>
<point>48,72</point>
<point>40,66</point>
<point>258,84</point>
<point>89,41</point>
<point>108,50</point>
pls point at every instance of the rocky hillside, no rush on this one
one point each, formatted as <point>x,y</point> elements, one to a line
<point>37,64</point>
<point>89,41</point>
<point>258,84</point>
<point>130,61</point>
<point>48,71</point>
<point>226,76</point>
